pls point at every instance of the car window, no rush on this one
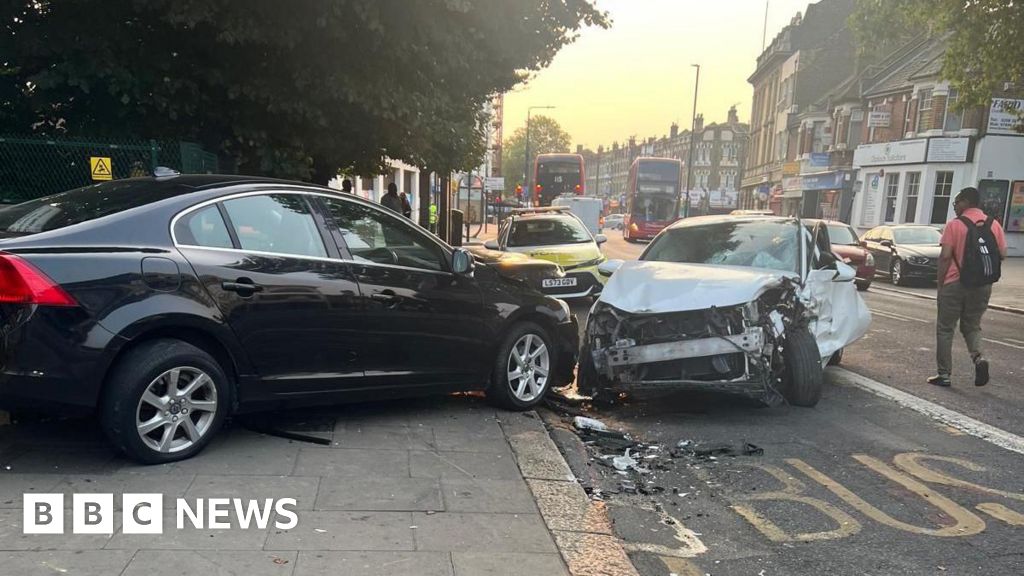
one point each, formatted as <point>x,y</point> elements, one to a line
<point>757,244</point>
<point>372,236</point>
<point>922,235</point>
<point>203,227</point>
<point>547,232</point>
<point>277,223</point>
<point>840,234</point>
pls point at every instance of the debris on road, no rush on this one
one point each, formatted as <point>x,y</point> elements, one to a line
<point>687,448</point>
<point>584,423</point>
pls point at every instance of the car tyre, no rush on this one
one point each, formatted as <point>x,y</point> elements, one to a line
<point>802,376</point>
<point>896,273</point>
<point>863,285</point>
<point>525,392</point>
<point>140,376</point>
<point>836,358</point>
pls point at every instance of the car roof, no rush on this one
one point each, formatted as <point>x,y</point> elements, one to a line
<point>727,219</point>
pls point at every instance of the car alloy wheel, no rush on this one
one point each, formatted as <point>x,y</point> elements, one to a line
<point>176,410</point>
<point>897,273</point>
<point>529,363</point>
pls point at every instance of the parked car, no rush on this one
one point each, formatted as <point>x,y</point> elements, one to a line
<point>557,235</point>
<point>905,251</point>
<point>752,213</point>
<point>614,221</point>
<point>165,304</point>
<point>748,305</point>
<point>851,250</point>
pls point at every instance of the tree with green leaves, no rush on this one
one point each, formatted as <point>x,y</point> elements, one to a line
<point>985,39</point>
<point>298,89</point>
<point>546,137</point>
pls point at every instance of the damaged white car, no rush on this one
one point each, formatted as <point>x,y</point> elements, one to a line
<point>750,305</point>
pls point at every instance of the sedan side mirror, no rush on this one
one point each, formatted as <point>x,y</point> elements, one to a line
<point>863,243</point>
<point>608,267</point>
<point>886,243</point>
<point>600,239</point>
<point>462,262</point>
<point>492,245</point>
<point>844,273</point>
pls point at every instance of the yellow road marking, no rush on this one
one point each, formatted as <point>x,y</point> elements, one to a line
<point>792,492</point>
<point>967,523</point>
<point>911,463</point>
<point>681,566</point>
<point>1000,512</point>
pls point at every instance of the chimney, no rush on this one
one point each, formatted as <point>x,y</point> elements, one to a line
<point>674,130</point>
<point>632,142</point>
<point>698,123</point>
<point>579,148</point>
<point>733,117</point>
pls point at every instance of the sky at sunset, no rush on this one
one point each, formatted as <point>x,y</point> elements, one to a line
<point>636,78</point>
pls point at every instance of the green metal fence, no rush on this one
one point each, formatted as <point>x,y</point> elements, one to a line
<point>31,167</point>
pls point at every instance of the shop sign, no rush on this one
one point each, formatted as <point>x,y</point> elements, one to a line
<point>948,149</point>
<point>819,160</point>
<point>791,183</point>
<point>885,153</point>
<point>790,168</point>
<point>1015,216</point>
<point>869,208</point>
<point>1004,116</point>
<point>827,181</point>
<point>879,119</point>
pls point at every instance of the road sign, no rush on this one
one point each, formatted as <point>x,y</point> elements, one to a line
<point>99,167</point>
<point>494,183</point>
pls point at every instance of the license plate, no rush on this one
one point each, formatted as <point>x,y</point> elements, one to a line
<point>558,282</point>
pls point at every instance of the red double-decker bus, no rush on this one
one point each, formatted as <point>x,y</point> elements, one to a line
<point>652,199</point>
<point>557,174</point>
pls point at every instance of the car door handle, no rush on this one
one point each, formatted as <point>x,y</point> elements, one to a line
<point>243,286</point>
<point>387,297</point>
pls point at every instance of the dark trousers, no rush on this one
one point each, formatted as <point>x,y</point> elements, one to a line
<point>966,306</point>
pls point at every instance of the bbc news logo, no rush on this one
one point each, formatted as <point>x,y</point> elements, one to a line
<point>144,513</point>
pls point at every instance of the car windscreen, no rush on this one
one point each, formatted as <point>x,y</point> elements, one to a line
<point>842,235</point>
<point>77,206</point>
<point>770,245</point>
<point>922,235</point>
<point>547,232</point>
<point>657,207</point>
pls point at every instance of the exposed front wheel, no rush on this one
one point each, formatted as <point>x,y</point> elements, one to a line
<point>863,285</point>
<point>802,376</point>
<point>897,273</point>
<point>164,401</point>
<point>522,370</point>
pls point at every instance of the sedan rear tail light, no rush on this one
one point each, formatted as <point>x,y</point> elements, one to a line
<point>22,283</point>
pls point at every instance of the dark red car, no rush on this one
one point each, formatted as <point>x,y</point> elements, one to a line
<point>847,246</point>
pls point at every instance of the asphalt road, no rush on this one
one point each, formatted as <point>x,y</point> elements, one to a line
<point>857,485</point>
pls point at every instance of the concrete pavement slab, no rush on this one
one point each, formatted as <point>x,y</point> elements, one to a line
<point>455,440</point>
<point>14,486</point>
<point>211,563</point>
<point>302,489</point>
<point>463,465</point>
<point>495,496</point>
<point>44,460</point>
<point>65,562</point>
<point>374,564</point>
<point>349,435</point>
<point>192,538</point>
<point>337,530</point>
<point>355,463</point>
<point>381,493</point>
<point>489,564</point>
<point>466,532</point>
<point>12,535</point>
<point>241,452</point>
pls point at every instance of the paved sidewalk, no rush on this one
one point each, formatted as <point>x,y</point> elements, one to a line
<point>1007,294</point>
<point>425,487</point>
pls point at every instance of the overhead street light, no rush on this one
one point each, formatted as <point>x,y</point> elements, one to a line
<point>526,160</point>
<point>689,154</point>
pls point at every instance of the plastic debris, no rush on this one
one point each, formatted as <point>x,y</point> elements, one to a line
<point>584,423</point>
<point>624,462</point>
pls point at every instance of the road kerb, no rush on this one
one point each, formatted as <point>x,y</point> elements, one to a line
<point>961,422</point>
<point>580,528</point>
<point>992,306</point>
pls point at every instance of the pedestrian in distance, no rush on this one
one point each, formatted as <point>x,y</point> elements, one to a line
<point>391,199</point>
<point>406,207</point>
<point>346,186</point>
<point>973,248</point>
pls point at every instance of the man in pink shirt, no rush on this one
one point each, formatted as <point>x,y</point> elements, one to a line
<point>958,303</point>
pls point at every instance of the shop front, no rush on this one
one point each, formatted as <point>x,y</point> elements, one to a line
<point>826,195</point>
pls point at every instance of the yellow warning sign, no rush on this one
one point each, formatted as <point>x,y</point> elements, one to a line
<point>99,166</point>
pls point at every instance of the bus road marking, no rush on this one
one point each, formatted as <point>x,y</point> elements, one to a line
<point>1017,346</point>
<point>900,317</point>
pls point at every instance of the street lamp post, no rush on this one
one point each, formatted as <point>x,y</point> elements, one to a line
<point>689,154</point>
<point>526,160</point>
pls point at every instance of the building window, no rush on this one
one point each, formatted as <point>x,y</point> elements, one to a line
<point>924,111</point>
<point>892,188</point>
<point>853,133</point>
<point>943,189</point>
<point>818,143</point>
<point>954,120</point>
<point>910,205</point>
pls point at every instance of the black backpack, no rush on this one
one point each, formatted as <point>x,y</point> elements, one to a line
<point>982,264</point>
